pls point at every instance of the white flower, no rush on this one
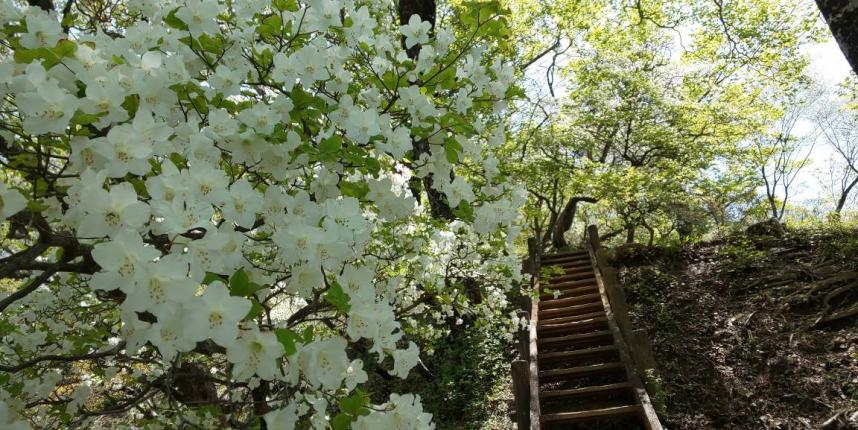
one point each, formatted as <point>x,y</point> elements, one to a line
<point>323,14</point>
<point>11,201</point>
<point>324,362</point>
<point>42,30</point>
<point>403,412</point>
<point>48,109</point>
<point>355,375</point>
<point>255,352</point>
<point>122,260</point>
<point>209,183</point>
<point>111,212</point>
<point>284,418</point>
<point>105,96</point>
<point>125,152</point>
<point>405,359</point>
<point>243,205</point>
<point>374,321</point>
<point>305,278</point>
<point>416,32</point>
<point>458,190</point>
<point>200,16</point>
<point>171,335</point>
<point>357,283</point>
<point>162,287</point>
<point>9,419</point>
<point>219,313</point>
<point>311,63</point>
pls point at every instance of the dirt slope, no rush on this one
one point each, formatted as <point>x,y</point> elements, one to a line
<point>738,329</point>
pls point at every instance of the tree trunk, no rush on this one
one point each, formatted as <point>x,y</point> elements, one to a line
<point>842,18</point>
<point>564,221</point>
<point>841,202</point>
<point>630,234</point>
<point>439,208</point>
<point>774,206</point>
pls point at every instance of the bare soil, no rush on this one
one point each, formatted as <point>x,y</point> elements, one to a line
<point>744,329</point>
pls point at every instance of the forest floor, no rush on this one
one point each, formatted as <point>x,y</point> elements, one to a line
<point>741,333</point>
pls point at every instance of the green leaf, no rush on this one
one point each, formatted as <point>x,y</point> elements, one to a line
<point>256,310</point>
<point>342,422</point>
<point>337,297</point>
<point>357,190</point>
<point>36,206</point>
<point>84,118</point>
<point>271,26</point>
<point>288,338</point>
<point>286,5</point>
<point>240,285</point>
<point>139,187</point>
<point>68,19</point>
<point>356,404</point>
<point>173,21</point>
<point>450,151</point>
<point>65,48</point>
<point>211,44</point>
<point>212,277</point>
<point>464,211</point>
<point>329,149</point>
<point>24,56</point>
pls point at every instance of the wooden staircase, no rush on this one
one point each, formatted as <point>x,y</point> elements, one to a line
<point>580,372</point>
<point>583,380</point>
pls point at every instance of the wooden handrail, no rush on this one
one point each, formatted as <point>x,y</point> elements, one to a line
<point>620,322</point>
<point>535,253</point>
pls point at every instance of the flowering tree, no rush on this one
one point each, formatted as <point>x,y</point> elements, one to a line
<point>209,215</point>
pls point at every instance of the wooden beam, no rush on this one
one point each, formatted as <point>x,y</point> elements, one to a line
<point>521,393</point>
<point>533,362</point>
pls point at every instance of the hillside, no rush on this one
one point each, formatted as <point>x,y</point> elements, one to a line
<point>740,332</point>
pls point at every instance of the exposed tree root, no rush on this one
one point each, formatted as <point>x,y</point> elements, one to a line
<point>826,319</point>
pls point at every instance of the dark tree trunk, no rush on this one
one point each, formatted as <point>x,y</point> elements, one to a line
<point>842,18</point>
<point>439,208</point>
<point>564,220</point>
<point>630,234</point>
<point>425,9</point>
<point>841,202</point>
<point>46,5</point>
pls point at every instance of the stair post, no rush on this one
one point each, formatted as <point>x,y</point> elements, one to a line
<point>534,251</point>
<point>521,393</point>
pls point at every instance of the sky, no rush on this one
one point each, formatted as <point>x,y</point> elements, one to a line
<point>829,66</point>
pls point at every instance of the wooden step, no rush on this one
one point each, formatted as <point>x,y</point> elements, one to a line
<point>573,372</point>
<point>585,391</point>
<point>565,254</point>
<point>581,266</point>
<point>572,265</point>
<point>571,277</point>
<point>580,262</point>
<point>572,338</point>
<point>577,269</point>
<point>615,411</point>
<point>574,325</point>
<point>569,262</point>
<point>578,353</point>
<point>571,310</point>
<point>578,291</point>
<point>571,284</point>
<point>556,303</point>
<point>562,320</point>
